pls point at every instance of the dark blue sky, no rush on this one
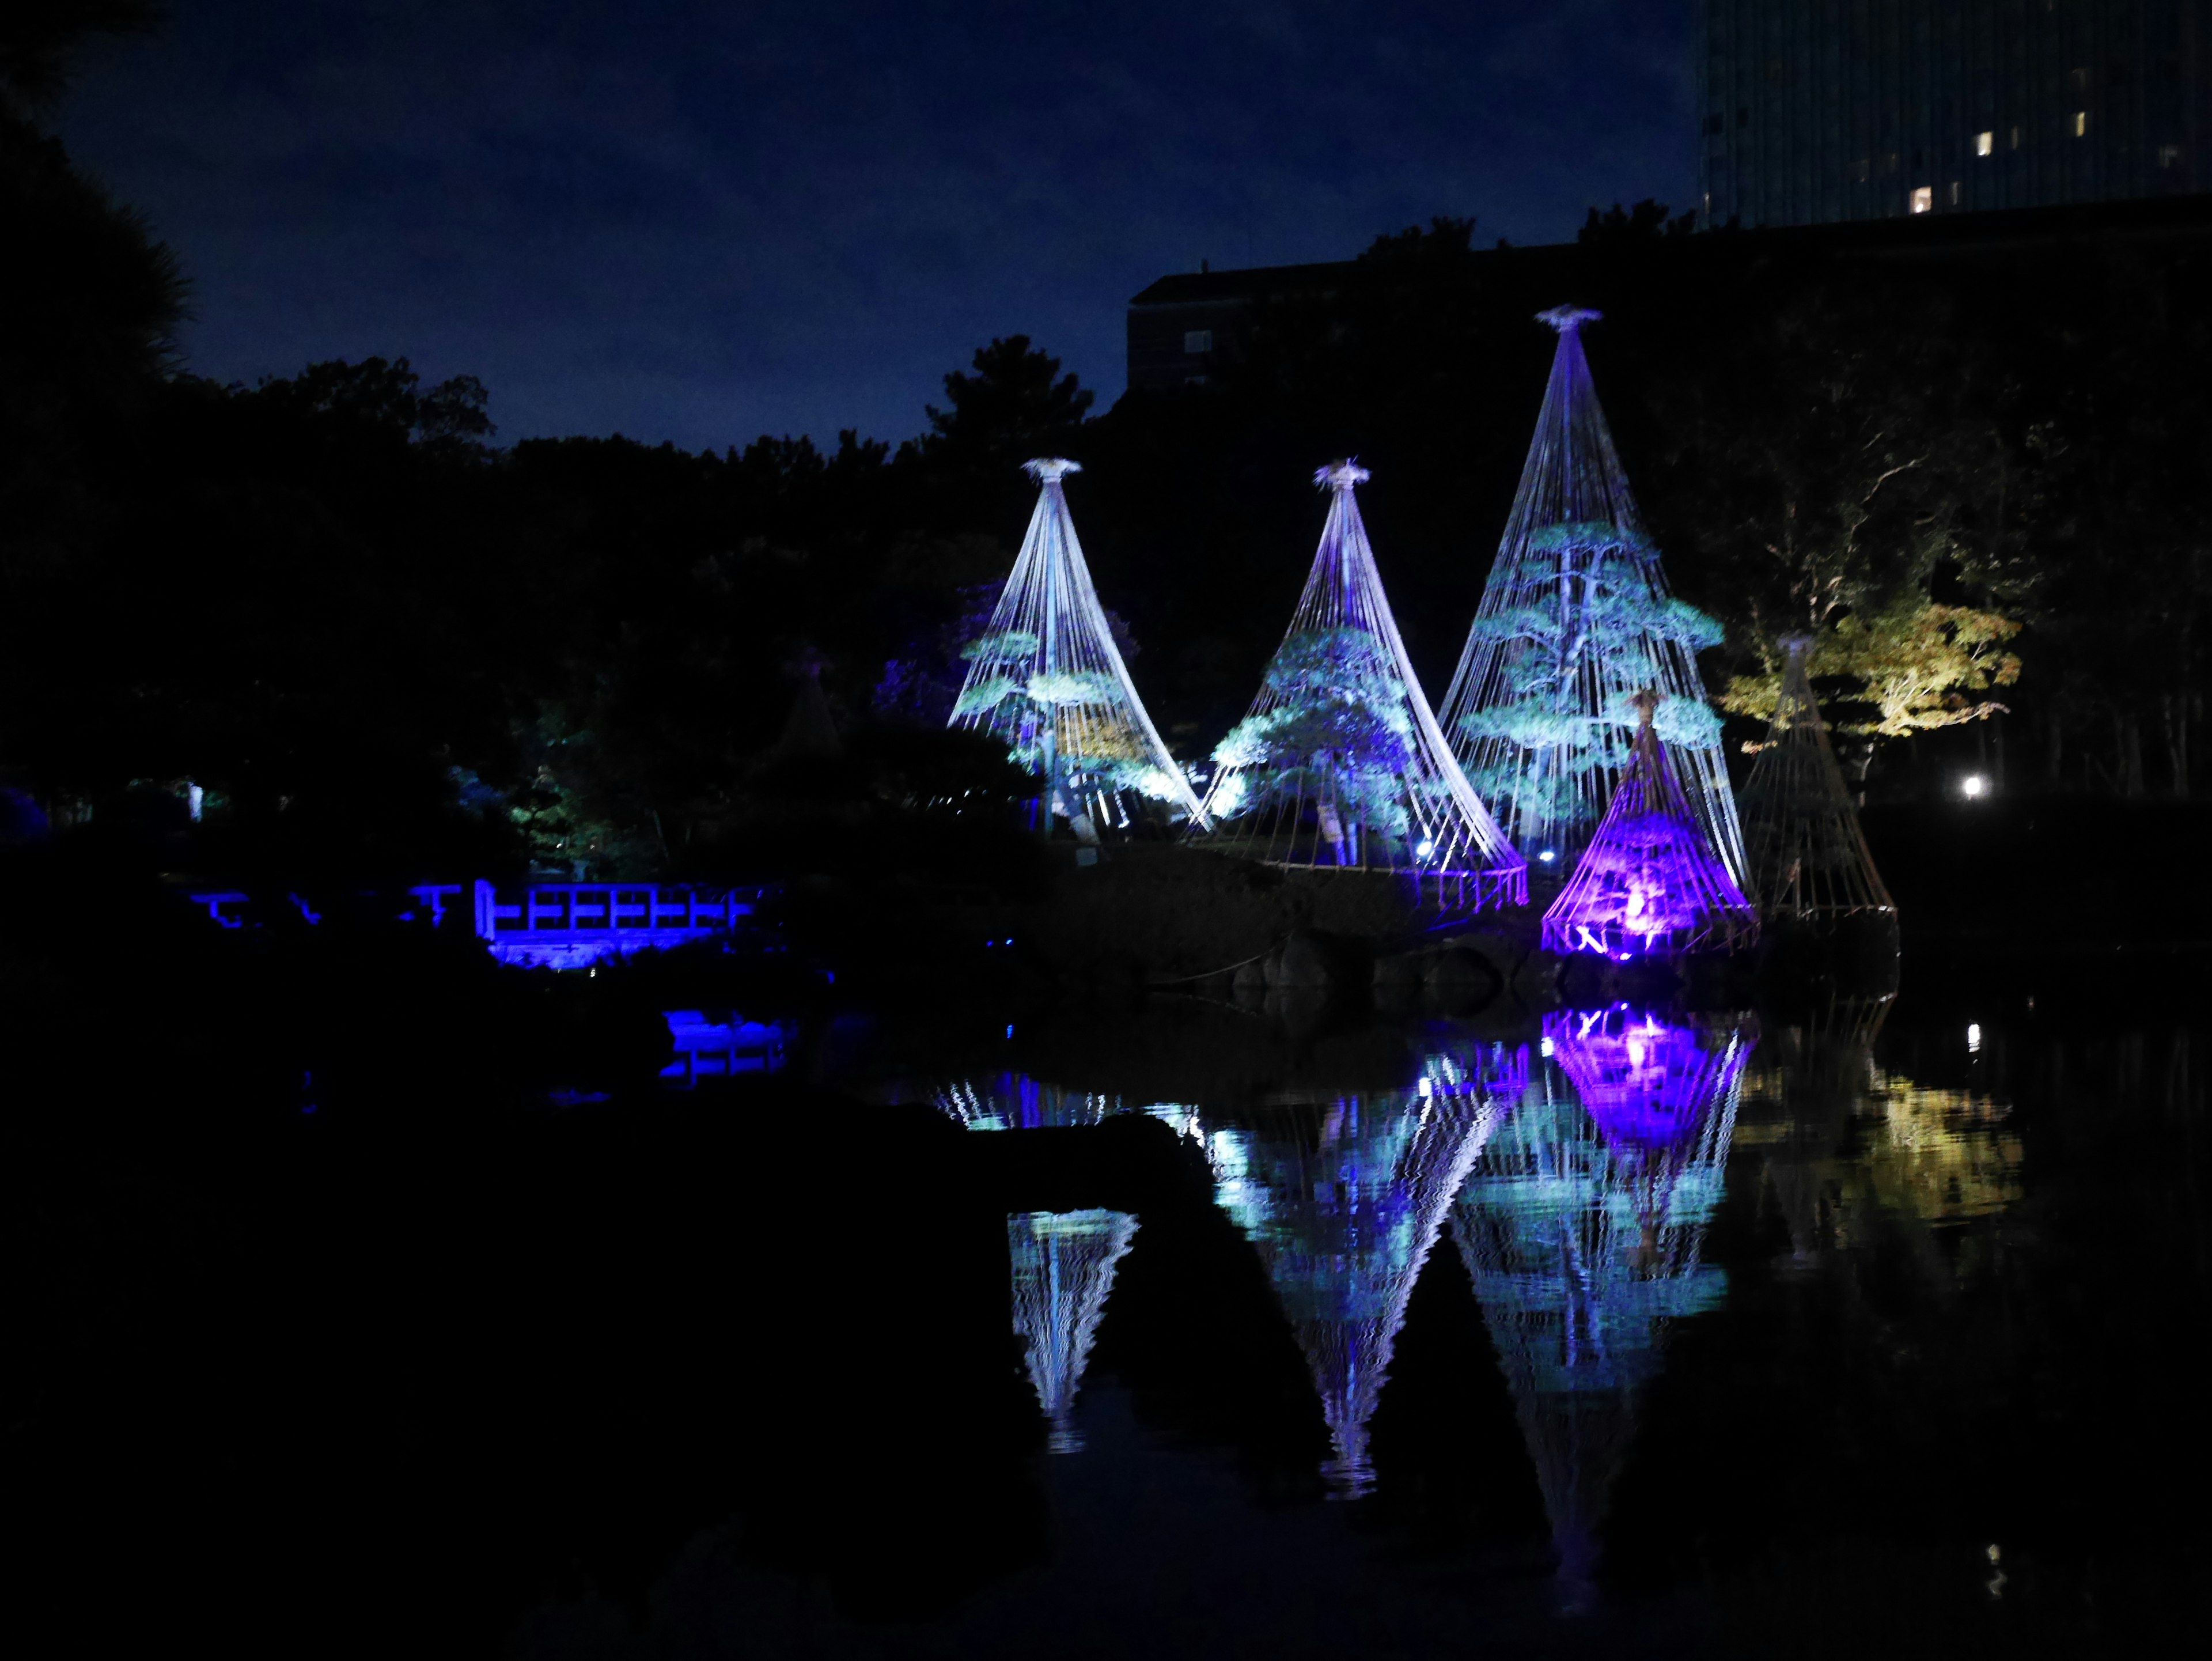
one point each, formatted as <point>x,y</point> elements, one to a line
<point>705,221</point>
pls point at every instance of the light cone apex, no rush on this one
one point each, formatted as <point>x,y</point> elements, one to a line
<point>1046,680</point>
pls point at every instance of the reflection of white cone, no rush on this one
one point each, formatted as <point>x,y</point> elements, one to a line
<point>1063,1269</point>
<point>1582,1243</point>
<point>1344,1201</point>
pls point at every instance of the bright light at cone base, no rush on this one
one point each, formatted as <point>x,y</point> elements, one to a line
<point>1974,785</point>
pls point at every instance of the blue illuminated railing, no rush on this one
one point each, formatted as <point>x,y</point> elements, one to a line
<point>559,925</point>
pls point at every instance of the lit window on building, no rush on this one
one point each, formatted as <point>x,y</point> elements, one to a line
<point>1923,198</point>
<point>2169,155</point>
<point>1957,191</point>
<point>2019,134</point>
<point>1984,142</point>
<point>1195,341</point>
<point>2080,124</point>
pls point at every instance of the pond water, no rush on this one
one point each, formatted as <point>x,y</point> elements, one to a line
<point>1613,1330</point>
<point>1181,1329</point>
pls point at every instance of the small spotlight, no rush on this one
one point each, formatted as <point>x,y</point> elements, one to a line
<point>1547,856</point>
<point>1975,786</point>
<point>1973,1039</point>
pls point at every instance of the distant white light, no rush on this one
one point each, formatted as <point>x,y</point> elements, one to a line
<point>1428,1086</point>
<point>1973,1039</point>
<point>1547,856</point>
<point>1426,848</point>
<point>1974,786</point>
<point>1545,1045</point>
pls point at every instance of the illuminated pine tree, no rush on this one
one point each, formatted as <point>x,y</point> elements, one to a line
<point>1046,680</point>
<point>1576,617</point>
<point>1340,763</point>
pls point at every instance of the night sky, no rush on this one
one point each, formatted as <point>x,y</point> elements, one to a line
<point>703,222</point>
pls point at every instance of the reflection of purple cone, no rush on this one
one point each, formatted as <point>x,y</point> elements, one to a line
<point>1580,1226</point>
<point>1648,1083</point>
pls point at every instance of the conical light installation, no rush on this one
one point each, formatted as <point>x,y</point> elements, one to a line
<point>1063,1266</point>
<point>1046,680</point>
<point>1341,765</point>
<point>1651,884</point>
<point>1576,617</point>
<point>1809,860</point>
<point>1581,1226</point>
<point>1343,1200</point>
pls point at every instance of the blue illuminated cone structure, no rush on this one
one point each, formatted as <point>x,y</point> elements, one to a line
<point>1046,680</point>
<point>1651,883</point>
<point>1581,1227</point>
<point>1063,1268</point>
<point>1339,765</point>
<point>1576,617</point>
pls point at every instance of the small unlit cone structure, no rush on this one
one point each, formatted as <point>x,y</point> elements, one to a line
<point>1341,765</point>
<point>1809,860</point>
<point>1046,680</point>
<point>1651,884</point>
<point>1063,1264</point>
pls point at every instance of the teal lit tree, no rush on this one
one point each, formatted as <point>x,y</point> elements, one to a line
<point>1340,763</point>
<point>1046,680</point>
<point>1576,618</point>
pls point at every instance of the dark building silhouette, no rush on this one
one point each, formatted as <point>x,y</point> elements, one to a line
<point>1819,110</point>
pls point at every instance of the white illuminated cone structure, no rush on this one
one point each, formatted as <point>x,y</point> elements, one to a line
<point>1063,1265</point>
<point>1046,680</point>
<point>1576,618</point>
<point>1341,765</point>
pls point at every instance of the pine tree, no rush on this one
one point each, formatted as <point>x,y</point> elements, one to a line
<point>1576,618</point>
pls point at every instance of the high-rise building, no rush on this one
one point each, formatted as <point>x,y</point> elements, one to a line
<point>1817,111</point>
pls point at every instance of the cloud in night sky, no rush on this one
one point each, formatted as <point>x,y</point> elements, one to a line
<point>705,221</point>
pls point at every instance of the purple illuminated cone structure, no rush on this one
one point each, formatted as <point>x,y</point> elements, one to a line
<point>1651,884</point>
<point>1046,680</point>
<point>1809,860</point>
<point>1581,1226</point>
<point>1341,765</point>
<point>1577,616</point>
